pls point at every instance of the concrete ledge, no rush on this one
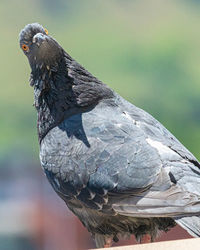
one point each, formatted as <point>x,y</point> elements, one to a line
<point>188,244</point>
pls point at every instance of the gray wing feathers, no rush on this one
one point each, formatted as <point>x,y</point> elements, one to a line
<point>170,203</point>
<point>114,159</point>
<point>126,155</point>
<point>155,130</point>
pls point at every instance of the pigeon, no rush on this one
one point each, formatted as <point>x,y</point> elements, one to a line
<point>119,170</point>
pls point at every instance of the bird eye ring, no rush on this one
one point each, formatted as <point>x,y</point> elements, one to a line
<point>25,47</point>
<point>46,31</point>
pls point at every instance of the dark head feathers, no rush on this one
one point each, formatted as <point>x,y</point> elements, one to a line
<point>46,55</point>
<point>29,31</point>
<point>38,46</point>
<point>62,87</point>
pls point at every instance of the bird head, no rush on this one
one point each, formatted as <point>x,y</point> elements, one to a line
<point>40,48</point>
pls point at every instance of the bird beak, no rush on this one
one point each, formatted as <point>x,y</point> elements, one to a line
<point>39,38</point>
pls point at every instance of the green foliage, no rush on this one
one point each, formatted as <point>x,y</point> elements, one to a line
<point>148,51</point>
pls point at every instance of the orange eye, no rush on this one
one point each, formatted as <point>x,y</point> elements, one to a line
<point>46,31</point>
<point>25,47</point>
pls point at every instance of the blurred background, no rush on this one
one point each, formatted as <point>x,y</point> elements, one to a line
<point>148,51</point>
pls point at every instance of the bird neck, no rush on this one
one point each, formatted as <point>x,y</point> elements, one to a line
<point>63,90</point>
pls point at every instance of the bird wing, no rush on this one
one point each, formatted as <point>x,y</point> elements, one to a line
<point>117,157</point>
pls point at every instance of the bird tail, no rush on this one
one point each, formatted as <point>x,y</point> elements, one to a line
<point>190,224</point>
